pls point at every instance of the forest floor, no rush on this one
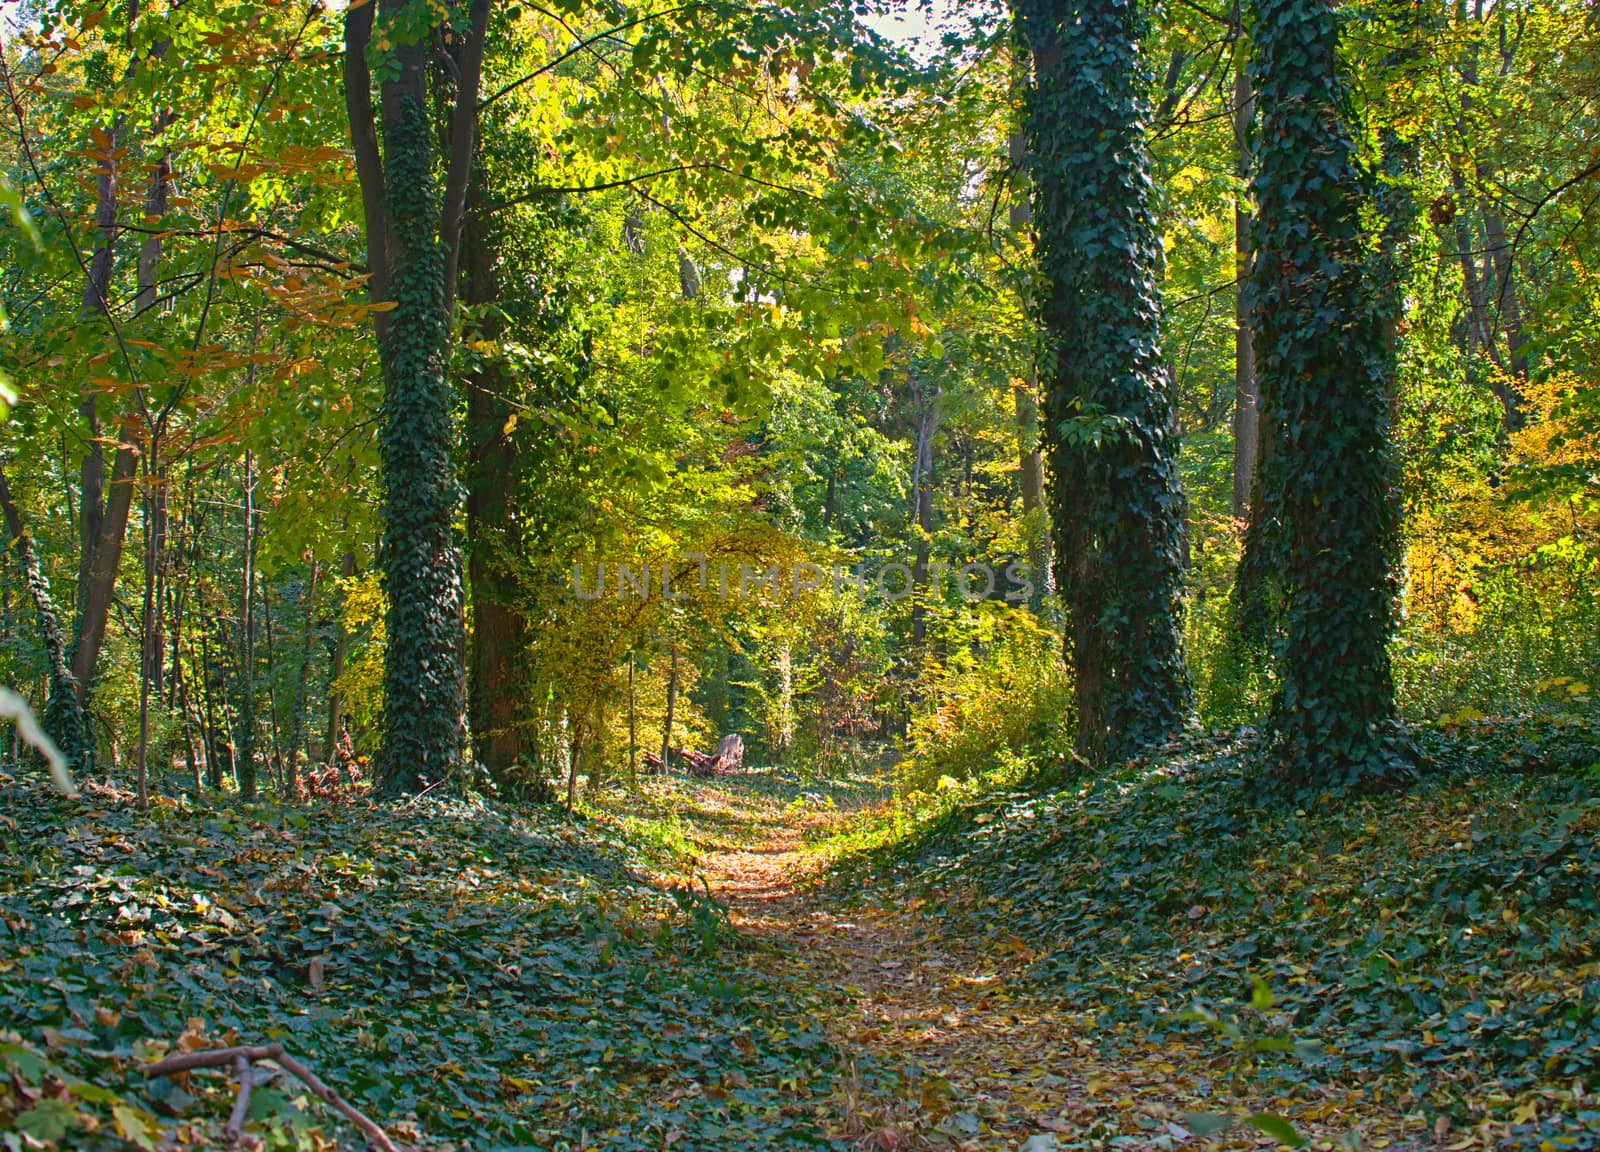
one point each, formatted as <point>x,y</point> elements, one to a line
<point>730,965</point>
<point>956,1048</point>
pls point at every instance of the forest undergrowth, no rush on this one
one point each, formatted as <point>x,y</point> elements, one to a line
<point>719,964</point>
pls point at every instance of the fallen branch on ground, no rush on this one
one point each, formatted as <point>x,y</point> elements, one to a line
<point>241,1059</point>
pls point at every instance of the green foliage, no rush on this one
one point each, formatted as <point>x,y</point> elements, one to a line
<point>1113,457</point>
<point>479,973</point>
<point>1004,707</point>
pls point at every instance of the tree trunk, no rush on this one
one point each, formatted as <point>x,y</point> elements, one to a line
<point>1117,507</point>
<point>244,757</point>
<point>1505,298</point>
<point>275,742</point>
<point>299,724</point>
<point>413,245</point>
<point>213,750</point>
<point>149,649</point>
<point>1025,392</point>
<point>98,586</point>
<point>633,729</point>
<point>922,505</point>
<point>1319,306</point>
<point>341,649</point>
<point>64,718</point>
<point>500,636</point>
<point>672,707</point>
<point>1246,424</point>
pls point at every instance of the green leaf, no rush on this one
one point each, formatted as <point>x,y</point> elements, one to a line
<point>1206,1123</point>
<point>47,1121</point>
<point>1278,1128</point>
<point>131,1124</point>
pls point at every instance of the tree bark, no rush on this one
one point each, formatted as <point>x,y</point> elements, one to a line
<point>1319,302</point>
<point>500,636</point>
<point>1025,392</point>
<point>300,725</point>
<point>99,586</point>
<point>414,241</point>
<point>341,648</point>
<point>922,507</point>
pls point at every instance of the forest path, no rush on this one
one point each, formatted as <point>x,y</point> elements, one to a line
<point>977,1059</point>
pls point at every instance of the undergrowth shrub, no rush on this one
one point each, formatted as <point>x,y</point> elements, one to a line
<point>996,708</point>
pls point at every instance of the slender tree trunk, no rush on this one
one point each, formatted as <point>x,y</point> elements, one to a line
<point>1025,392</point>
<point>98,589</point>
<point>341,648</point>
<point>91,479</point>
<point>192,754</point>
<point>244,757</point>
<point>633,728</point>
<point>213,751</point>
<point>275,741</point>
<point>1505,298</point>
<point>149,650</point>
<point>302,702</point>
<point>1246,422</point>
<point>672,707</point>
<point>922,504</point>
<point>574,759</point>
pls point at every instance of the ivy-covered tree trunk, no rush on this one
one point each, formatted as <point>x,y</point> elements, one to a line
<point>64,720</point>
<point>1321,543</point>
<point>422,705</point>
<point>1116,505</point>
<point>413,245</point>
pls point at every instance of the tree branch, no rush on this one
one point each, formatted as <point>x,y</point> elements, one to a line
<point>364,142</point>
<point>583,45</point>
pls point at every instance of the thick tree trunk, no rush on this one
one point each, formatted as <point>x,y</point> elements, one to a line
<point>1118,511</point>
<point>1319,305</point>
<point>413,246</point>
<point>500,635</point>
